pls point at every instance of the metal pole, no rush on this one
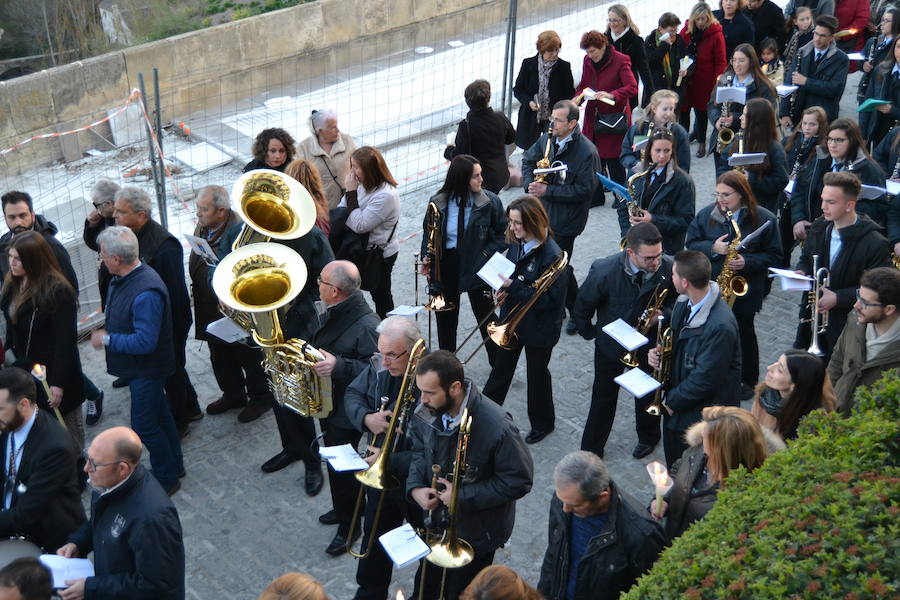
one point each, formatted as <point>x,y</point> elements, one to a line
<point>161,194</point>
<point>149,136</point>
<point>506,58</point>
<point>513,13</point>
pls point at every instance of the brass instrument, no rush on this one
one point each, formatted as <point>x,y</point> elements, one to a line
<point>503,334</point>
<point>732,286</point>
<point>643,323</point>
<point>740,150</point>
<point>544,163</point>
<point>895,260</point>
<point>378,476</point>
<point>726,134</point>
<point>818,321</point>
<point>273,206</point>
<point>664,339</point>
<point>634,206</point>
<point>437,302</point>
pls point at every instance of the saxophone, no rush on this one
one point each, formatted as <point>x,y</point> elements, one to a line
<point>732,286</point>
<point>726,134</point>
<point>544,163</point>
<point>634,207</point>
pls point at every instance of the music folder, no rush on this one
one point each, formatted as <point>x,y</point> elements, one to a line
<point>627,336</point>
<point>750,158</point>
<point>638,383</point>
<point>737,95</point>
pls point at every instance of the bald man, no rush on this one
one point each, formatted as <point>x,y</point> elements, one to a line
<point>134,530</point>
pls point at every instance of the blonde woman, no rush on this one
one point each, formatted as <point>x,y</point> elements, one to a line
<point>660,114</point>
<point>306,174</point>
<point>294,586</point>
<point>625,37</point>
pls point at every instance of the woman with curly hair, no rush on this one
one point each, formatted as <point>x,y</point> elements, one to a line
<point>272,149</point>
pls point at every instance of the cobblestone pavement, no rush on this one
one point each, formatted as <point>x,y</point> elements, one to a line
<point>243,528</point>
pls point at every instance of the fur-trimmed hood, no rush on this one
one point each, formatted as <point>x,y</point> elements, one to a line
<point>694,437</point>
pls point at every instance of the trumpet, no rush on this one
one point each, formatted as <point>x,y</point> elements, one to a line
<point>437,302</point>
<point>643,323</point>
<point>544,163</point>
<point>818,321</point>
<point>664,339</point>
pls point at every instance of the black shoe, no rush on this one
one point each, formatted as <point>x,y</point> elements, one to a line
<point>254,410</point>
<point>172,488</point>
<point>196,416</point>
<point>278,462</point>
<point>94,410</point>
<point>571,327</point>
<point>329,518</point>
<point>313,479</point>
<point>535,435</point>
<point>183,430</point>
<point>747,391</point>
<point>120,383</point>
<point>692,137</point>
<point>224,404</point>
<point>642,450</point>
<point>339,543</point>
<point>182,474</point>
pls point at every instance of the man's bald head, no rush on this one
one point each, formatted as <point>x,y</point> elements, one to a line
<point>123,444</point>
<point>340,280</point>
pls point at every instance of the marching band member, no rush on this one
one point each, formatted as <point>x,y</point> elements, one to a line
<point>533,251</point>
<point>712,234</point>
<point>800,149</point>
<point>622,286</point>
<point>876,50</point>
<point>472,227</point>
<point>660,115</point>
<point>498,467</point>
<point>665,196</point>
<point>887,155</point>
<point>883,85</point>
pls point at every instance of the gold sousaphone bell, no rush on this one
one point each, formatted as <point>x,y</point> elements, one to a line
<point>273,206</point>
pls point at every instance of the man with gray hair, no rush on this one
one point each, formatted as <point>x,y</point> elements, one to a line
<point>162,252</point>
<point>138,344</point>
<point>103,197</point>
<point>601,539</point>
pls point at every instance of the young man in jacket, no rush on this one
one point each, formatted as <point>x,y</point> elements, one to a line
<point>705,361</point>
<point>869,345</point>
<point>600,538</point>
<point>622,286</point>
<point>498,467</point>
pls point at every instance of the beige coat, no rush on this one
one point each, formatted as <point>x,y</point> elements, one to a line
<point>332,167</point>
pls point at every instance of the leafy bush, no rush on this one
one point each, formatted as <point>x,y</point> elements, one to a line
<point>818,520</point>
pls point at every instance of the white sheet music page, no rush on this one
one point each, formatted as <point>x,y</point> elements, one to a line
<point>637,382</point>
<point>343,458</point>
<point>791,281</point>
<point>404,545</point>
<point>627,336</point>
<point>67,569</point>
<point>496,270</point>
<point>226,330</point>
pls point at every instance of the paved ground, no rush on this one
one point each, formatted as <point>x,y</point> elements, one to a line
<point>243,528</point>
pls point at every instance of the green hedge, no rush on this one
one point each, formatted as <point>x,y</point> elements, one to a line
<point>818,520</point>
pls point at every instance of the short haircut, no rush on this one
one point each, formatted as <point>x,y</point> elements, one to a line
<point>642,234</point>
<point>294,586</point>
<point>15,197</point>
<point>219,195</point>
<point>261,143</point>
<point>104,191</point>
<point>534,218</point>
<point>127,450</point>
<point>478,94</point>
<point>121,242</point>
<point>404,327</point>
<point>571,107</point>
<point>137,199</point>
<point>30,577</point>
<point>668,19</point>
<point>585,470</point>
<point>828,22</point>
<point>548,41</point>
<point>693,266</point>
<point>446,365</point>
<point>884,281</point>
<point>319,118</point>
<point>593,39</point>
<point>19,383</point>
<point>848,183</point>
<point>346,280</point>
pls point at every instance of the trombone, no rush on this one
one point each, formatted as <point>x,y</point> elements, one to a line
<point>437,302</point>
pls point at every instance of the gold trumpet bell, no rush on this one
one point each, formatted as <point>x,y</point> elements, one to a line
<point>273,206</point>
<point>451,554</point>
<point>499,334</point>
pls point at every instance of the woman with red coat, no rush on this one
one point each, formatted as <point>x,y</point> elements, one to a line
<point>705,43</point>
<point>607,73</point>
<point>853,18</point>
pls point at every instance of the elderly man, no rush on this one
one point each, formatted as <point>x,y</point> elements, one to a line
<point>237,366</point>
<point>601,539</point>
<point>103,197</point>
<point>348,340</point>
<point>134,529</point>
<point>138,342</point>
<point>162,252</point>
<point>42,496</point>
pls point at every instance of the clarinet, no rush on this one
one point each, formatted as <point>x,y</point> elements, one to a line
<point>895,174</point>
<point>795,69</point>
<point>800,155</point>
<point>864,84</point>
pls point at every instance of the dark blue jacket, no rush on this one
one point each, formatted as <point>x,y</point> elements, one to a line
<point>880,84</point>
<point>824,87</point>
<point>880,47</point>
<point>630,158</point>
<point>767,187</point>
<point>755,89</point>
<point>123,291</point>
<point>887,155</point>
<point>135,534</point>
<point>738,30</point>
<point>672,206</point>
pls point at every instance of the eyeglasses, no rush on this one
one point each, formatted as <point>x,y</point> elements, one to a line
<point>614,20</point>
<point>722,195</point>
<point>93,466</point>
<point>864,303</point>
<point>321,281</point>
<point>833,140</point>
<point>99,204</point>
<point>391,357</point>
<point>653,258</point>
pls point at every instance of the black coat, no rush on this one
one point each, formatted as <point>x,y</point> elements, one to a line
<point>632,45</point>
<point>768,186</point>
<point>768,21</point>
<point>763,251</point>
<point>206,303</point>
<point>672,206</point>
<point>483,236</point>
<point>540,326</point>
<point>706,361</point>
<point>688,504</point>
<point>882,86</point>
<point>610,292</point>
<point>484,134</point>
<point>135,534</point>
<point>46,497</point>
<point>880,49</point>
<point>90,240</point>
<point>499,469</point>
<point>887,154</point>
<point>560,86</point>
<point>624,550</point>
<point>162,251</point>
<point>824,87</point>
<point>259,164</point>
<point>630,158</point>
<point>738,30</point>
<point>655,53</point>
<point>49,230</point>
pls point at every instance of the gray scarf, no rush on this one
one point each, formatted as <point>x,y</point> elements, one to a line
<point>543,95</point>
<point>876,343</point>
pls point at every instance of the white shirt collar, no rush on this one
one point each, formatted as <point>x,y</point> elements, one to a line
<point>21,434</point>
<point>616,37</point>
<point>451,423</point>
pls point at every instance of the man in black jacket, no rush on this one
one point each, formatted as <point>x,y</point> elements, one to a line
<point>768,22</point>
<point>498,467</point>
<point>847,244</point>
<point>601,540</point>
<point>566,196</point>
<point>41,496</point>
<point>134,530</point>
<point>706,354</point>
<point>103,198</point>
<point>623,286</point>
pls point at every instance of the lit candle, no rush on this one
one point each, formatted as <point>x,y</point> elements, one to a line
<point>400,595</point>
<point>39,372</point>
<point>661,481</point>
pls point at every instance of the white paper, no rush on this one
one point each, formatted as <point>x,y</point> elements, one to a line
<point>892,186</point>
<point>588,93</point>
<point>226,330</point>
<point>856,56</point>
<point>640,144</point>
<point>738,95</point>
<point>553,169</point>
<point>496,270</point>
<point>870,192</point>
<point>67,569</point>
<point>627,336</point>
<point>343,458</point>
<point>638,383</point>
<point>789,188</point>
<point>404,545</point>
<point>791,281</point>
<point>751,158</point>
<point>753,235</point>
<point>786,90</point>
<point>685,64</point>
<point>404,310</point>
<point>202,248</point>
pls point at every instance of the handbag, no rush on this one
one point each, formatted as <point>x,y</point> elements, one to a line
<point>611,124</point>
<point>352,246</point>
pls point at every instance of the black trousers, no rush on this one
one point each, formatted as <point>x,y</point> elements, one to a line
<point>239,372</point>
<point>567,244</point>
<point>298,434</point>
<point>541,413</point>
<point>700,122</point>
<point>373,573</point>
<point>381,294</point>
<point>179,391</point>
<point>673,443</point>
<point>456,579</point>
<point>448,320</point>
<point>749,349</point>
<point>602,415</point>
<point>343,484</point>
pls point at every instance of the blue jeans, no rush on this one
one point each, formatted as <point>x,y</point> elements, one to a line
<point>152,421</point>
<point>91,391</point>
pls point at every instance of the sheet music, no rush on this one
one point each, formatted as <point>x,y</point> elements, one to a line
<point>404,310</point>
<point>226,330</point>
<point>870,192</point>
<point>751,158</point>
<point>553,169</point>
<point>791,281</point>
<point>638,383</point>
<point>893,187</point>
<point>753,235</point>
<point>404,545</point>
<point>67,569</point>
<point>496,270</point>
<point>786,90</point>
<point>343,458</point>
<point>738,95</point>
<point>789,188</point>
<point>856,56</point>
<point>627,336</point>
<point>202,248</point>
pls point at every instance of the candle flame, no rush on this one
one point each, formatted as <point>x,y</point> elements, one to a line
<point>39,371</point>
<point>400,595</point>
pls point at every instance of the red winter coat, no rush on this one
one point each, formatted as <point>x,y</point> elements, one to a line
<point>617,78</point>
<point>852,14</point>
<point>709,63</point>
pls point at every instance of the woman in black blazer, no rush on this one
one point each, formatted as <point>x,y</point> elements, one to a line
<point>544,79</point>
<point>625,37</point>
<point>664,49</point>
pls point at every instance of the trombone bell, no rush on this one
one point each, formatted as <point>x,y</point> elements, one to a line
<point>451,556</point>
